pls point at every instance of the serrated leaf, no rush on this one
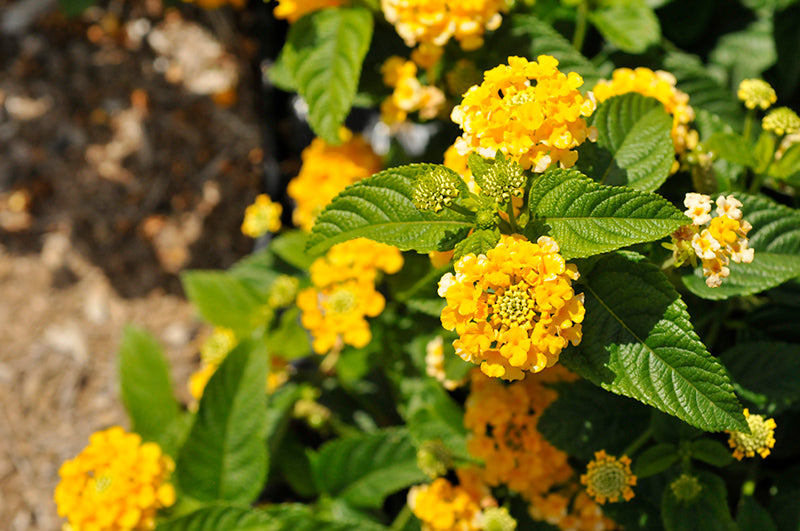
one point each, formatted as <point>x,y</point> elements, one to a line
<point>708,512</point>
<point>585,418</point>
<point>225,456</point>
<point>775,236</point>
<point>145,385</point>
<point>751,516</point>
<point>364,470</point>
<point>632,26</point>
<point>224,300</point>
<point>634,146</point>
<point>655,460</point>
<point>323,55</point>
<point>731,147</point>
<point>541,38</point>
<point>712,452</point>
<point>775,375</point>
<point>381,208</point>
<point>588,218</point>
<point>219,518</point>
<point>638,341</point>
<point>480,241</point>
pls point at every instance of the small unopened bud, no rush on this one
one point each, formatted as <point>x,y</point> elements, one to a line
<point>314,413</point>
<point>756,93</point>
<point>502,178</point>
<point>783,121</point>
<point>686,488</point>
<point>434,458</point>
<point>486,219</point>
<point>498,519</point>
<point>436,189</point>
<point>283,291</point>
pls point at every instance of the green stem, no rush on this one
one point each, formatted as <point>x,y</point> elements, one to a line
<point>748,125</point>
<point>580,26</point>
<point>455,207</point>
<point>639,442</point>
<point>512,218</point>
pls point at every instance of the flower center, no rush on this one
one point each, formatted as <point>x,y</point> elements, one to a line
<point>608,480</point>
<point>515,306</point>
<point>342,301</point>
<point>103,482</point>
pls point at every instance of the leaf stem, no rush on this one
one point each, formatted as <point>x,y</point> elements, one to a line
<point>639,442</point>
<point>512,218</point>
<point>455,207</point>
<point>580,26</point>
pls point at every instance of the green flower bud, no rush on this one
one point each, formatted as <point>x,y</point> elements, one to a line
<point>436,189</point>
<point>498,519</point>
<point>283,291</point>
<point>686,488</point>
<point>502,178</point>
<point>434,458</point>
<point>783,121</point>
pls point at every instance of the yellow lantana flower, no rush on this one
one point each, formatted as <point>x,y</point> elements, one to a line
<point>756,93</point>
<point>355,259</point>
<point>528,110</point>
<point>661,86</point>
<point>294,10</point>
<point>759,441</point>
<point>570,512</point>
<point>782,121</point>
<point>261,217</point>
<point>442,506</point>
<point>117,483</point>
<point>608,478</point>
<point>513,308</point>
<point>326,171</point>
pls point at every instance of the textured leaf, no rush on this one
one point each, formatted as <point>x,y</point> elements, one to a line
<point>638,342</point>
<point>708,512</point>
<point>219,518</point>
<point>541,38</point>
<point>478,242</point>
<point>224,300</point>
<point>632,26</point>
<point>704,91</point>
<point>585,418</point>
<point>731,147</point>
<point>775,236</point>
<point>381,208</point>
<point>655,460</point>
<point>364,470</point>
<point>587,218</point>
<point>775,375</point>
<point>322,57</point>
<point>145,385</point>
<point>225,456</point>
<point>634,146</point>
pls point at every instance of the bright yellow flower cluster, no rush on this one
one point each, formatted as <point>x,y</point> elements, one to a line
<point>261,217</point>
<point>661,86</point>
<point>115,484</point>
<point>608,478</point>
<point>570,511</point>
<point>434,22</point>
<point>326,171</point>
<point>344,294</point>
<point>528,110</point>
<point>442,506</point>
<point>409,94</point>
<point>724,240</point>
<point>216,4</point>
<point>756,93</point>
<point>513,308</point>
<point>759,441</point>
<point>294,10</point>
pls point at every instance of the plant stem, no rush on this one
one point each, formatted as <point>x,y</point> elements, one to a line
<point>455,207</point>
<point>580,26</point>
<point>635,445</point>
<point>748,125</point>
<point>512,219</point>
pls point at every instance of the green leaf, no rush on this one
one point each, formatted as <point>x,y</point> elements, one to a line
<point>73,8</point>
<point>256,272</point>
<point>541,38</point>
<point>775,375</point>
<point>708,512</point>
<point>655,460</point>
<point>480,241</point>
<point>788,165</point>
<point>764,151</point>
<point>731,147</point>
<point>587,218</point>
<point>224,300</point>
<point>775,236</point>
<point>746,53</point>
<point>638,342</point>
<point>364,470</point>
<point>225,456</point>
<point>290,340</point>
<point>585,418</point>
<point>219,518</point>
<point>634,146</point>
<point>432,414</point>
<point>322,57</point>
<point>751,516</point>
<point>291,248</point>
<point>632,26</point>
<point>712,452</point>
<point>145,385</point>
<point>381,208</point>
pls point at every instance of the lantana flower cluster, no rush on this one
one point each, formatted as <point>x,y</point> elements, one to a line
<point>759,441</point>
<point>434,22</point>
<point>609,478</point>
<point>294,10</point>
<point>261,217</point>
<point>334,310</point>
<point>442,506</point>
<point>409,94</point>
<point>724,239</point>
<point>661,86</point>
<point>514,307</point>
<point>529,110</point>
<point>117,483</point>
<point>326,171</point>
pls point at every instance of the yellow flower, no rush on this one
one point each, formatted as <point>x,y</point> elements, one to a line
<point>661,86</point>
<point>608,478</point>
<point>261,217</point>
<point>528,110</point>
<point>759,441</point>
<point>355,259</point>
<point>570,511</point>
<point>783,121</point>
<point>326,171</point>
<point>434,22</point>
<point>115,484</point>
<point>409,94</point>
<point>218,345</point>
<point>443,506</point>
<point>199,379</point>
<point>502,421</point>
<point>216,4</point>
<point>293,10</point>
<point>427,55</point>
<point>513,308</point>
<point>756,93</point>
